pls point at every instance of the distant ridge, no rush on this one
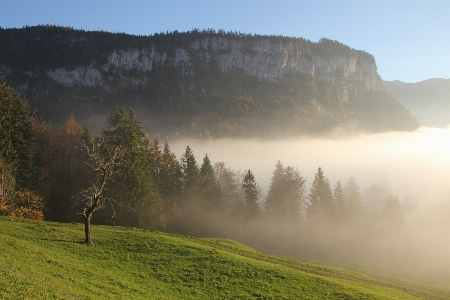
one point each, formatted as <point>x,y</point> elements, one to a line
<point>428,100</point>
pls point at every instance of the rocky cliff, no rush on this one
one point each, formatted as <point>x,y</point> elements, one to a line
<point>56,66</point>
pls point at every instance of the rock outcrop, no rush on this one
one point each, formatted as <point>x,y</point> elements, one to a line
<point>266,60</point>
<point>59,68</point>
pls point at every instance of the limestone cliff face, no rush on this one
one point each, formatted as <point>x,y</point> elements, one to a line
<point>352,73</point>
<point>199,83</point>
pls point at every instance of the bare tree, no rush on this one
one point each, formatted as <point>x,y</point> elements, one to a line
<point>103,162</point>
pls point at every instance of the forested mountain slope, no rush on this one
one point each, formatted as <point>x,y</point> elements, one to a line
<point>200,83</point>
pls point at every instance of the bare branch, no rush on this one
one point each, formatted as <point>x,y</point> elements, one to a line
<point>103,162</point>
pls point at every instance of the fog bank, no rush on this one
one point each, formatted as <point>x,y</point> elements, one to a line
<point>414,164</point>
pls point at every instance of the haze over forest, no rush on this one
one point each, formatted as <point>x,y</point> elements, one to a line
<point>279,107</point>
<point>414,164</point>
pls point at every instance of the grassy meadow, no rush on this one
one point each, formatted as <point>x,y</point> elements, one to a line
<point>45,260</point>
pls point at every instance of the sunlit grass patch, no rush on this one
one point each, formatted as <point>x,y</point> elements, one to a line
<point>127,263</point>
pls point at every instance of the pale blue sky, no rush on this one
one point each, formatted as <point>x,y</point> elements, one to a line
<point>410,40</point>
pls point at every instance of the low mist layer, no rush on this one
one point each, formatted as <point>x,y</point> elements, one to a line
<point>414,164</point>
<point>412,168</point>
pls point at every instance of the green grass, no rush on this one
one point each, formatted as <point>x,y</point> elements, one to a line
<point>44,260</point>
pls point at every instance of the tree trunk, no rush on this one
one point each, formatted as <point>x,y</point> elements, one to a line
<point>87,229</point>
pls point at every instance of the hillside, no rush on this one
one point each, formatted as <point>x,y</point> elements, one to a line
<point>200,83</point>
<point>428,100</point>
<point>46,260</point>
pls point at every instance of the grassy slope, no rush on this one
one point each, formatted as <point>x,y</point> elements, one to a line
<point>128,263</point>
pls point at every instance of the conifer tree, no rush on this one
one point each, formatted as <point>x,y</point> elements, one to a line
<point>230,188</point>
<point>192,206</point>
<point>294,192</point>
<point>141,203</point>
<point>320,197</point>
<point>157,158</point>
<point>285,196</point>
<point>208,185</point>
<point>170,179</point>
<point>170,187</point>
<point>352,199</point>
<point>338,201</point>
<point>251,194</point>
<point>16,137</point>
<point>191,173</point>
<point>274,199</point>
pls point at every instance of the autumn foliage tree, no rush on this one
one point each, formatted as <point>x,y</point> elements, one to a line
<point>27,205</point>
<point>59,168</point>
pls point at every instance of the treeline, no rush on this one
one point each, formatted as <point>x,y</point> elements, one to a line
<point>51,46</point>
<point>46,171</point>
<point>123,177</point>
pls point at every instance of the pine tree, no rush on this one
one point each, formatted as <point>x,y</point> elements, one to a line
<point>135,183</point>
<point>338,201</point>
<point>16,137</point>
<point>285,196</point>
<point>157,157</point>
<point>191,173</point>
<point>208,184</point>
<point>274,200</point>
<point>251,194</point>
<point>352,199</point>
<point>294,192</point>
<point>230,188</point>
<point>320,197</point>
<point>170,187</point>
<point>170,179</point>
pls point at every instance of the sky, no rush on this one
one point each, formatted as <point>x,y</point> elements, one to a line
<point>410,40</point>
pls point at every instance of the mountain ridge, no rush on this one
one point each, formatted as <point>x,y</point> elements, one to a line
<point>429,99</point>
<point>226,84</point>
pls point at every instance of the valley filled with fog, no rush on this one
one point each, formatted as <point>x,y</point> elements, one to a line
<point>413,166</point>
